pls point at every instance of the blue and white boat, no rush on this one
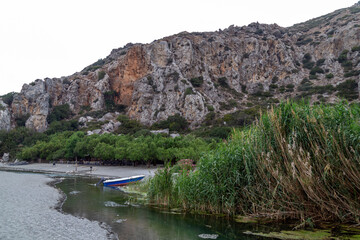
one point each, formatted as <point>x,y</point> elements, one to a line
<point>121,181</point>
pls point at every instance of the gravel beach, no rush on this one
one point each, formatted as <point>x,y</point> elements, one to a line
<point>83,170</point>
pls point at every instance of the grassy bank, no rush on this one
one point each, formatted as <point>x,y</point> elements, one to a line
<point>296,162</point>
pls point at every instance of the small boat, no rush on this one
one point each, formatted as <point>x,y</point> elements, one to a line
<point>121,181</point>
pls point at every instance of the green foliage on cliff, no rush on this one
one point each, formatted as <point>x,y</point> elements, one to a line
<point>96,65</point>
<point>197,81</point>
<point>59,113</point>
<point>101,75</point>
<point>110,102</point>
<point>8,98</point>
<point>173,123</point>
<point>21,120</point>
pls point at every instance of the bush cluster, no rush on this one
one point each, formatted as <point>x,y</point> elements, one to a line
<point>59,113</point>
<point>114,148</point>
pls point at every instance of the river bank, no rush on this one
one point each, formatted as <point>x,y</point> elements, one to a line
<point>28,211</point>
<point>82,170</point>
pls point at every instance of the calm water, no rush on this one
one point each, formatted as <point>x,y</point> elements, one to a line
<point>102,204</point>
<point>28,211</point>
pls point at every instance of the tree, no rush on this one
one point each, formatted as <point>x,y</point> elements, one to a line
<point>104,151</point>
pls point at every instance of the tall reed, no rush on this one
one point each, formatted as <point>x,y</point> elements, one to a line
<point>297,161</point>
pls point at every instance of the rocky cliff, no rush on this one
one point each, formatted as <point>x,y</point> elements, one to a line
<point>194,74</point>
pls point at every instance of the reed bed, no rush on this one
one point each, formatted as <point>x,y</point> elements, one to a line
<point>295,162</point>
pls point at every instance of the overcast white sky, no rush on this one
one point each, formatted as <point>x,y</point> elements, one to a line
<point>54,38</point>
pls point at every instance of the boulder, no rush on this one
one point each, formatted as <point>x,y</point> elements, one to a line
<point>5,157</point>
<point>111,126</point>
<point>161,131</point>
<point>174,135</point>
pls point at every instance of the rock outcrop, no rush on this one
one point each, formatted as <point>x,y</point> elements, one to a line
<point>5,116</point>
<point>194,74</point>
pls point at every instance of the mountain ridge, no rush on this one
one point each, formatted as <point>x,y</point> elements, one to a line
<point>204,76</point>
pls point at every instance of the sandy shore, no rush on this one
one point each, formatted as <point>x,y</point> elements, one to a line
<point>83,170</point>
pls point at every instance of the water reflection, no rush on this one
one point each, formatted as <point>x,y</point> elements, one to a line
<point>139,222</point>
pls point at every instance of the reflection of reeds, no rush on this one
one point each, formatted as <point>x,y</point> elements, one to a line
<point>296,162</point>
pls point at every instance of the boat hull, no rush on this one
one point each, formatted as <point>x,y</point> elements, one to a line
<point>122,181</point>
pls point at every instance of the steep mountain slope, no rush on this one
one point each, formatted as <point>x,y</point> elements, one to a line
<point>207,75</point>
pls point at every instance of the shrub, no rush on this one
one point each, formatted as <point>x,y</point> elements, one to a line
<point>355,49</point>
<point>21,120</point>
<point>290,85</point>
<point>347,65</point>
<point>307,57</point>
<point>320,62</point>
<point>282,89</point>
<point>343,56</point>
<point>101,75</point>
<point>197,81</point>
<point>246,55</point>
<point>174,123</point>
<point>307,63</point>
<point>189,91</point>
<point>209,118</point>
<point>273,86</point>
<point>243,88</point>
<point>96,65</point>
<point>8,98</point>
<point>210,108</point>
<point>312,77</point>
<point>59,113</point>
<point>303,41</point>
<point>223,82</point>
<point>214,132</point>
<point>262,94</point>
<point>329,76</point>
<point>66,81</point>
<point>348,90</point>
<point>174,76</point>
<point>316,70</point>
<point>110,104</point>
<point>62,126</point>
<point>229,105</point>
<point>128,126</point>
<point>274,79</point>
<point>142,132</point>
<point>305,85</point>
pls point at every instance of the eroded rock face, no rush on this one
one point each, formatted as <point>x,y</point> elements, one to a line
<point>5,116</point>
<point>33,100</point>
<point>227,70</point>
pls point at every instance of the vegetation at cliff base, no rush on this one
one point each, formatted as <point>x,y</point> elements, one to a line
<point>296,162</point>
<point>114,149</point>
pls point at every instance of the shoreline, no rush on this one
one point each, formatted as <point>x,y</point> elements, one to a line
<point>82,170</point>
<point>45,208</point>
<point>111,235</point>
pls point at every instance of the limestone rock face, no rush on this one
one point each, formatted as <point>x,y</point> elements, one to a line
<point>224,71</point>
<point>33,100</point>
<point>5,117</point>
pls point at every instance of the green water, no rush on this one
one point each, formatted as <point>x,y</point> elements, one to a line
<point>142,222</point>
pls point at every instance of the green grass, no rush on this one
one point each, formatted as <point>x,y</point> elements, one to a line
<point>296,162</point>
